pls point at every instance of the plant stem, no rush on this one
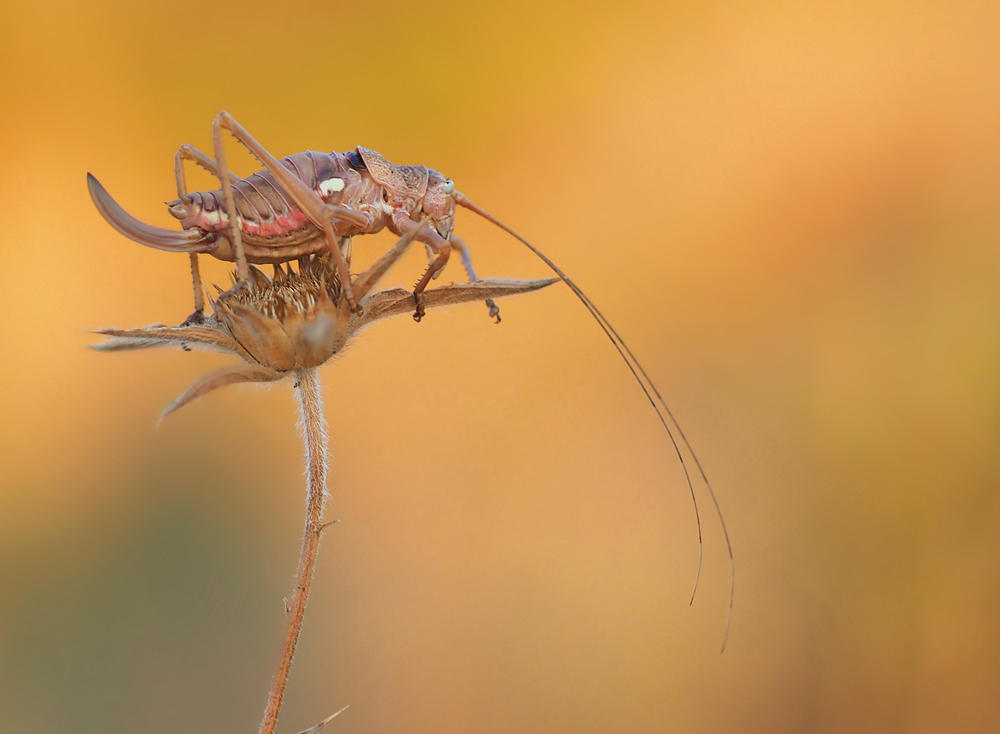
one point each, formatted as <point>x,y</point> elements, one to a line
<point>314,430</point>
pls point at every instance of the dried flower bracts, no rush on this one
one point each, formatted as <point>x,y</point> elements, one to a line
<point>296,320</point>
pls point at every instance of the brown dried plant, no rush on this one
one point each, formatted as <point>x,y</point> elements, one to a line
<point>287,326</point>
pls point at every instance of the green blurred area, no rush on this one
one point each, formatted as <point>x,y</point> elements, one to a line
<point>789,210</point>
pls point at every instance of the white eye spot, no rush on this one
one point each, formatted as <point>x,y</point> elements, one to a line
<point>331,185</point>
<point>448,186</point>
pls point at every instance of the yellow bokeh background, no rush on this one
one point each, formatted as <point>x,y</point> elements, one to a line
<point>789,210</point>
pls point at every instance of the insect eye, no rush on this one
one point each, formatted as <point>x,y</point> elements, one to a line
<point>448,186</point>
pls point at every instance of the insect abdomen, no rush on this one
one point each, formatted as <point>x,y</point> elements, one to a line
<point>266,212</point>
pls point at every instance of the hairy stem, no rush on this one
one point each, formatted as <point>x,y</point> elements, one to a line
<point>314,429</point>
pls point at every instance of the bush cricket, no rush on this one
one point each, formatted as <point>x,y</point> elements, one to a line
<point>314,203</point>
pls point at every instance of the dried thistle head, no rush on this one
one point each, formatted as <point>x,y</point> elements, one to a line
<point>291,321</point>
<point>296,320</point>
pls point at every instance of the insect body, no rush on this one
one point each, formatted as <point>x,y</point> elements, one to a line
<point>305,204</point>
<point>275,230</point>
<point>312,203</point>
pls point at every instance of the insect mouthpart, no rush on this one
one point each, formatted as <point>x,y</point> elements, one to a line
<point>444,227</point>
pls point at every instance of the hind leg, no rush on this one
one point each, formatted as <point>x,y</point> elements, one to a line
<point>190,153</point>
<point>320,213</point>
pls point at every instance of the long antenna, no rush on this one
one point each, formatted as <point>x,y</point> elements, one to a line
<point>636,369</point>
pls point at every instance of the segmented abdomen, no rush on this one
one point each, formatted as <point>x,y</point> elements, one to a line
<point>266,212</point>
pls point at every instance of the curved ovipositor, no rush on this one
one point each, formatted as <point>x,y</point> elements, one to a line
<point>144,234</point>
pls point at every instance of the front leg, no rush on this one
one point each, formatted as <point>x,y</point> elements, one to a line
<point>463,252</point>
<point>441,247</point>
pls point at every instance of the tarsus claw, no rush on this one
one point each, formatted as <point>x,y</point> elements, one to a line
<point>419,313</point>
<point>198,317</point>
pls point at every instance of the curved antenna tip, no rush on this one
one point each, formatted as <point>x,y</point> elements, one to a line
<point>637,369</point>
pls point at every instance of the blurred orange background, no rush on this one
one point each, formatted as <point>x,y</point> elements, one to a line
<point>789,210</point>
